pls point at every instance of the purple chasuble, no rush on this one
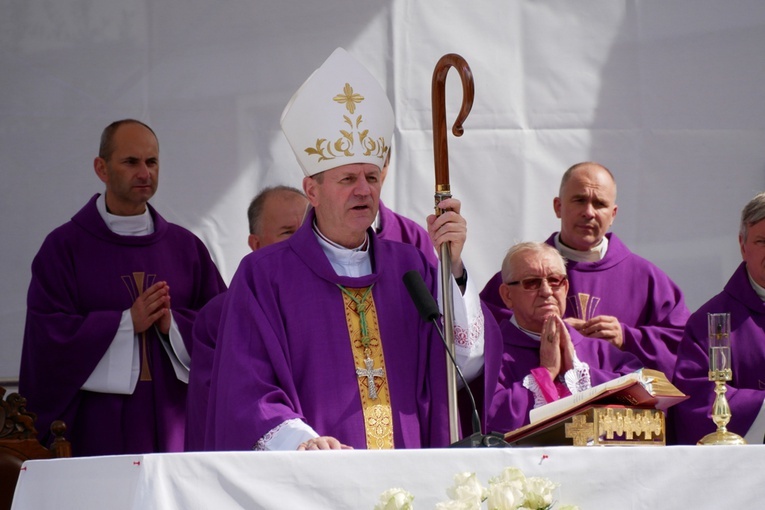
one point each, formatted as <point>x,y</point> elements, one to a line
<point>284,351</point>
<point>649,306</point>
<point>204,332</point>
<point>746,391</point>
<point>395,227</point>
<point>512,402</point>
<point>83,278</point>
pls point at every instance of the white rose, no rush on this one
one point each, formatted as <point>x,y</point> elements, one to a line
<point>539,492</point>
<point>467,489</point>
<point>503,497</point>
<point>395,499</point>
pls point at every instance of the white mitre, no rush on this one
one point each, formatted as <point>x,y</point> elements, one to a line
<point>340,115</point>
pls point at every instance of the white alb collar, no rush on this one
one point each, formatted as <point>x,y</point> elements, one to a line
<point>353,262</point>
<point>594,254</point>
<point>140,225</point>
<point>757,287</point>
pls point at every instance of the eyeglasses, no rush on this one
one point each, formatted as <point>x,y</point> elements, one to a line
<point>535,282</point>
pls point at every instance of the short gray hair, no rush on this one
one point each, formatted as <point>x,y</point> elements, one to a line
<point>508,264</point>
<point>754,212</point>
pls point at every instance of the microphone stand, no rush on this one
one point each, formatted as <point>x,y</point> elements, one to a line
<point>477,439</point>
<point>428,310</point>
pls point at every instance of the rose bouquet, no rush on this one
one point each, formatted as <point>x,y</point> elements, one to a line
<point>511,490</point>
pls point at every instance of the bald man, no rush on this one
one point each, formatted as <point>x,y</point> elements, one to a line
<point>273,216</point>
<point>614,294</point>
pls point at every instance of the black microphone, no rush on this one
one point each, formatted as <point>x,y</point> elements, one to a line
<point>421,296</point>
<point>428,310</point>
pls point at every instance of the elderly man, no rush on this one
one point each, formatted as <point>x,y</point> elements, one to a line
<point>614,294</point>
<point>113,296</point>
<point>544,359</point>
<point>744,298</point>
<point>273,215</point>
<point>321,346</point>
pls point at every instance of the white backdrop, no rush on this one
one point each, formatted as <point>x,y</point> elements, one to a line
<point>669,95</point>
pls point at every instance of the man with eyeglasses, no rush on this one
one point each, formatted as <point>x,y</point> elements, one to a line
<point>543,358</point>
<point>614,294</point>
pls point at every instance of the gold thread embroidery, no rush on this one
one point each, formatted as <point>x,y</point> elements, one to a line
<point>344,145</point>
<point>583,298</point>
<point>348,98</point>
<point>369,361</point>
<point>584,305</point>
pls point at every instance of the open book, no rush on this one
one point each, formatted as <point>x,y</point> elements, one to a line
<point>645,388</point>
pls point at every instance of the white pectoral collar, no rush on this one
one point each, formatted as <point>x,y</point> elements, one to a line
<point>353,262</point>
<point>592,255</point>
<point>140,225</point>
<point>758,289</point>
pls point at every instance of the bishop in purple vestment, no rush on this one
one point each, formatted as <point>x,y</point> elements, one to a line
<point>614,294</point>
<point>113,296</point>
<point>743,298</point>
<point>320,345</point>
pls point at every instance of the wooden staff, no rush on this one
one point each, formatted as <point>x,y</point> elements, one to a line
<point>443,191</point>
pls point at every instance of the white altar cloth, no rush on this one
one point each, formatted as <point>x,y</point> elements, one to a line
<point>674,477</point>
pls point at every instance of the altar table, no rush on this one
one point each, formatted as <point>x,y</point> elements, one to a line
<point>672,477</point>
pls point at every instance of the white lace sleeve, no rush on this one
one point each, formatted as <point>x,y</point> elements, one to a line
<point>286,436</point>
<point>530,383</point>
<point>468,329</point>
<point>578,378</point>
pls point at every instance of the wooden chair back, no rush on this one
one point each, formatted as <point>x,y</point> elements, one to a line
<point>18,442</point>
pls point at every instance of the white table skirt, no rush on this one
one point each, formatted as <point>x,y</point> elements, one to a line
<point>675,477</point>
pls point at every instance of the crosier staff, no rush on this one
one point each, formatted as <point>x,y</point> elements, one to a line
<point>443,191</point>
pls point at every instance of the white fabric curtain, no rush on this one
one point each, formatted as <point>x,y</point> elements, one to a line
<point>668,95</point>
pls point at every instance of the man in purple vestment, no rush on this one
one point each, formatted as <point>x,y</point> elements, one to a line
<point>395,227</point>
<point>113,296</point>
<point>614,294</point>
<point>543,358</point>
<point>744,299</point>
<point>273,216</point>
<point>320,345</point>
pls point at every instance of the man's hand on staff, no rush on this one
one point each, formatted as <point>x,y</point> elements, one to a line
<point>449,227</point>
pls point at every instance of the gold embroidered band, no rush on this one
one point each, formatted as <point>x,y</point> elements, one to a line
<point>364,334</point>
